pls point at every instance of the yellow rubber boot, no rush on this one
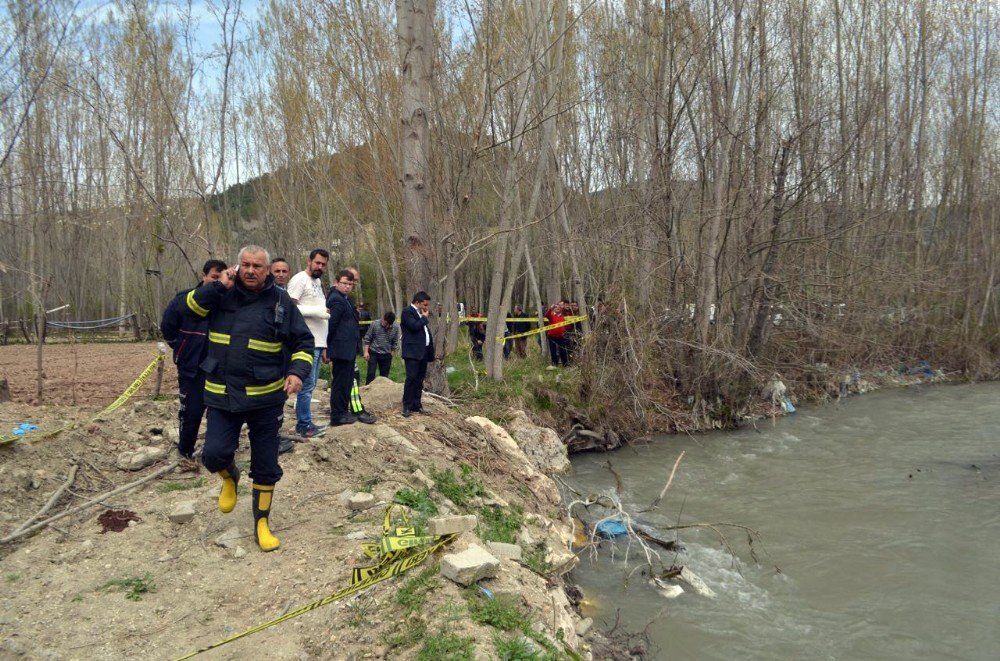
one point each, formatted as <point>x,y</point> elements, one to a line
<point>262,494</point>
<point>227,495</point>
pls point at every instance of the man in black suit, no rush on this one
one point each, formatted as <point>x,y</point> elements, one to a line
<point>341,348</point>
<point>418,350</point>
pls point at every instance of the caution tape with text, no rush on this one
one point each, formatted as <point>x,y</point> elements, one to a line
<point>124,397</point>
<point>568,321</point>
<point>394,554</point>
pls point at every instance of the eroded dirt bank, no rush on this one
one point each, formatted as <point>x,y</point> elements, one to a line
<point>68,586</point>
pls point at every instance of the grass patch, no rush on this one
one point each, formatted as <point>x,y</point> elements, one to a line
<point>534,559</point>
<point>413,594</point>
<point>500,613</point>
<point>414,631</point>
<point>442,645</point>
<point>515,649</point>
<point>133,586</point>
<point>12,578</point>
<point>500,524</point>
<point>184,485</point>
<point>459,489</point>
<point>418,501</point>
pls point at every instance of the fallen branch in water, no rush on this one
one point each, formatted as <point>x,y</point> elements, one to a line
<point>666,486</point>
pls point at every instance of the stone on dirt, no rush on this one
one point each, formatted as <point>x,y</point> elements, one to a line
<point>469,566</point>
<point>361,501</point>
<point>139,459</point>
<point>421,480</point>
<point>183,512</point>
<point>540,444</point>
<point>504,551</point>
<point>446,525</point>
<point>239,552</point>
<point>229,539</point>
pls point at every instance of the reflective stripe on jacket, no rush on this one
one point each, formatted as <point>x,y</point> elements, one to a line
<point>255,339</point>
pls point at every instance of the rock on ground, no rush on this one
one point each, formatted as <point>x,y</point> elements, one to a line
<point>540,444</point>
<point>469,566</point>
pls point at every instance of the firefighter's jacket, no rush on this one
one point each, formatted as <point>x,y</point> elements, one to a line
<point>255,339</point>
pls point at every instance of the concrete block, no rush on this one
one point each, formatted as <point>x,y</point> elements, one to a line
<point>446,525</point>
<point>182,512</point>
<point>469,566</point>
<point>361,501</point>
<point>504,551</point>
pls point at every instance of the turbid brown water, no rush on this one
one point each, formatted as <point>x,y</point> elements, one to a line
<point>882,513</point>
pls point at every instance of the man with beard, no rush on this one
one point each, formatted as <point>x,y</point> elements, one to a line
<point>306,291</point>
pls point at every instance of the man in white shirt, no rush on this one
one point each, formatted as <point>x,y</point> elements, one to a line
<point>306,291</point>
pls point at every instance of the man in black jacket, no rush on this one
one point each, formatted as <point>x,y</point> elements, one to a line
<point>418,350</point>
<point>188,337</point>
<point>259,352</point>
<point>341,348</point>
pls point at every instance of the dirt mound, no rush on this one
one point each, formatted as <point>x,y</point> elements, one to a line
<point>161,589</point>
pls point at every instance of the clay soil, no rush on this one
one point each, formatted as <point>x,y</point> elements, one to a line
<point>86,375</point>
<point>63,585</point>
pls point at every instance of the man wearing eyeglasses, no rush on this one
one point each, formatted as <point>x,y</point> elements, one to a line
<point>341,348</point>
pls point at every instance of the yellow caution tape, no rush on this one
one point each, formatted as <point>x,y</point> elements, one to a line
<point>566,322</point>
<point>388,565</point>
<point>124,397</point>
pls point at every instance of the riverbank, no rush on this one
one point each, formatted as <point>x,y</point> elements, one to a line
<point>162,584</point>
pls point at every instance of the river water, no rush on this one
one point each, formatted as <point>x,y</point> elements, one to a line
<point>880,526</point>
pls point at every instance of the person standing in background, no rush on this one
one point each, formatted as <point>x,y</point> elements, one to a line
<point>306,291</point>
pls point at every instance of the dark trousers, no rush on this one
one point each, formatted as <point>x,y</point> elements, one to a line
<point>191,411</point>
<point>222,437</point>
<point>521,346</point>
<point>342,373</point>
<point>413,387</point>
<point>381,360</point>
<point>558,350</point>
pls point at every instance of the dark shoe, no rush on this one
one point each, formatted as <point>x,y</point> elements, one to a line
<point>407,413</point>
<point>285,444</point>
<point>366,418</point>
<point>312,431</point>
<point>343,420</point>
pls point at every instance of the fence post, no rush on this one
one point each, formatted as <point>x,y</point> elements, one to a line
<point>162,348</point>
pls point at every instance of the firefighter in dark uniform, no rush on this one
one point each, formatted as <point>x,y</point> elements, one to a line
<point>259,352</point>
<point>188,337</point>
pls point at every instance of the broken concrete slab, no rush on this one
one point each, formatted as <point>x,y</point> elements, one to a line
<point>183,512</point>
<point>361,501</point>
<point>469,566</point>
<point>446,525</point>
<point>505,551</point>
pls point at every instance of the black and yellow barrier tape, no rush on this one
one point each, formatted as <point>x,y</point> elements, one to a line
<point>124,397</point>
<point>568,321</point>
<point>394,554</point>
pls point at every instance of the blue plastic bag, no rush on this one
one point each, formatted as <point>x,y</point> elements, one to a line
<point>612,528</point>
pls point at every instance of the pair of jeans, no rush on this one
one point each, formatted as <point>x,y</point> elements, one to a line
<point>222,437</point>
<point>381,360</point>
<point>303,403</point>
